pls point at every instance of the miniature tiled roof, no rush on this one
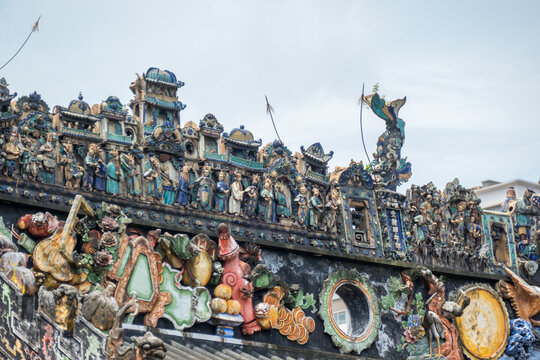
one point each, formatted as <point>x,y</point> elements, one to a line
<point>242,137</point>
<point>315,152</point>
<point>114,105</point>
<point>210,123</point>
<point>164,104</point>
<point>78,109</point>
<point>164,77</point>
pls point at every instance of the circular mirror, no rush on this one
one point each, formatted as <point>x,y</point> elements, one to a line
<point>350,310</point>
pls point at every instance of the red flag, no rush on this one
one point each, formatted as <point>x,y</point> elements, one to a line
<point>36,25</point>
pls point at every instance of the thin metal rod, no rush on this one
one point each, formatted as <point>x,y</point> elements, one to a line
<point>269,110</point>
<point>361,127</point>
<point>34,28</point>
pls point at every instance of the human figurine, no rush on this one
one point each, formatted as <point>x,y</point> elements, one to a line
<point>315,209</point>
<point>182,196</point>
<point>509,204</point>
<point>131,170</point>
<point>91,164</point>
<point>115,175</point>
<point>458,223</point>
<point>220,196</point>
<point>422,223</point>
<point>302,203</point>
<point>29,165</point>
<point>266,200</point>
<point>12,152</point>
<point>236,275</point>
<point>237,194</point>
<point>48,156</point>
<point>153,178</point>
<point>100,174</point>
<point>204,185</point>
<point>332,206</point>
<point>167,185</point>
<point>474,234</point>
<point>251,198</point>
<point>282,204</point>
<point>72,171</point>
<point>524,213</point>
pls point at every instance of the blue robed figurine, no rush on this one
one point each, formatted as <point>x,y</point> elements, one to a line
<point>114,174</point>
<point>182,196</point>
<point>220,197</point>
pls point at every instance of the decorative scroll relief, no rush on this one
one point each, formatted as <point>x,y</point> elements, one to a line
<point>360,298</point>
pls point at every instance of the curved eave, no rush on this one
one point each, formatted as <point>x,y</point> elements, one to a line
<point>321,160</point>
<point>317,180</point>
<point>215,133</point>
<point>116,114</point>
<point>78,116</point>
<point>177,85</point>
<point>167,105</point>
<point>121,142</point>
<point>97,138</point>
<point>247,167</point>
<point>7,98</point>
<point>252,144</point>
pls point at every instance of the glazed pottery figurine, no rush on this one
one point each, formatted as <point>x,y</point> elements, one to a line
<point>525,211</point>
<point>153,178</point>
<point>237,194</point>
<point>167,185</point>
<point>182,196</point>
<point>220,197</point>
<point>132,174</point>
<point>235,273</point>
<point>266,201</point>
<point>315,209</point>
<point>282,203</point>
<point>61,305</point>
<point>204,185</point>
<point>49,156</point>
<point>252,197</point>
<point>302,203</point>
<point>12,152</point>
<point>115,175</point>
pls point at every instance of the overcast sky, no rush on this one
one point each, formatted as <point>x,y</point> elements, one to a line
<point>469,69</point>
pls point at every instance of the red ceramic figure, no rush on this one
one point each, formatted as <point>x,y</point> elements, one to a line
<point>234,275</point>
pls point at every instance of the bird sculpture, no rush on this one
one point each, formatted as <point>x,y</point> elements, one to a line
<point>525,298</point>
<point>452,310</point>
<point>434,327</point>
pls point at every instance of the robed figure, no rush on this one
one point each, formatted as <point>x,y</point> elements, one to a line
<point>237,194</point>
<point>182,196</point>
<point>266,201</point>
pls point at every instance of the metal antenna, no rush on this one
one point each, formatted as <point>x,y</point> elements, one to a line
<point>361,101</point>
<point>269,111</point>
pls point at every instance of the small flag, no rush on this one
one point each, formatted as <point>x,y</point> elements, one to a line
<point>269,108</point>
<point>36,25</point>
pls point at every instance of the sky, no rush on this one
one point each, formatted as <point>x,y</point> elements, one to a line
<point>469,69</point>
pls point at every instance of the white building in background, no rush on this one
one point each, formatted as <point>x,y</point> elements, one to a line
<point>341,313</point>
<point>493,193</point>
